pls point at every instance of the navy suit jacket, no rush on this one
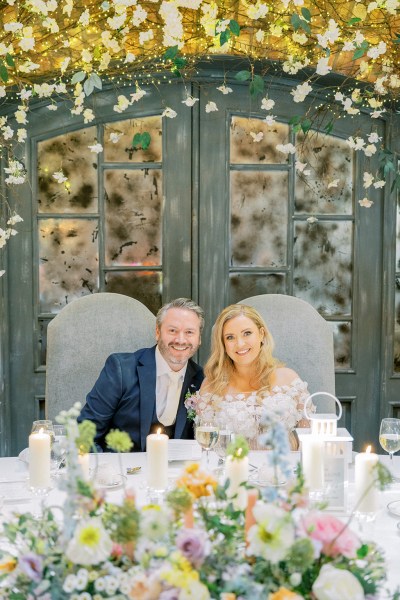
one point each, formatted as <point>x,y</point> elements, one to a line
<point>124,397</point>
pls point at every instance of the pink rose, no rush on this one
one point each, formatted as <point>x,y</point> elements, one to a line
<point>331,533</point>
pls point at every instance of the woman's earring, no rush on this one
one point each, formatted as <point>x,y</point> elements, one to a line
<point>262,342</point>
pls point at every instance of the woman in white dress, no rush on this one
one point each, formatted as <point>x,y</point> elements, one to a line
<point>243,378</point>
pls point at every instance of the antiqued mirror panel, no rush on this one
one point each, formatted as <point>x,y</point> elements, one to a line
<point>253,141</point>
<point>324,175</point>
<point>323,265</point>
<point>259,215</point>
<point>133,213</point>
<point>342,344</point>
<point>245,285</point>
<point>120,146</point>
<point>145,286</point>
<point>68,261</point>
<point>67,173</point>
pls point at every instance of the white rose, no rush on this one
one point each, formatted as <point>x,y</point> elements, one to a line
<point>336,584</point>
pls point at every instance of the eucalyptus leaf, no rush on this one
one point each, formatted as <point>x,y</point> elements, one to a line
<point>243,75</point>
<point>79,76</point>
<point>306,125</point>
<point>295,21</point>
<point>3,73</point>
<point>137,140</point>
<point>306,14</point>
<point>180,62</point>
<point>353,21</point>
<point>88,87</point>
<point>304,25</point>
<point>95,79</point>
<point>224,37</point>
<point>295,120</point>
<point>146,139</point>
<point>257,85</point>
<point>10,60</point>
<point>234,27</point>
<point>171,53</point>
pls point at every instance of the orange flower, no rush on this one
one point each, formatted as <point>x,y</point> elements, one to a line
<point>197,482</point>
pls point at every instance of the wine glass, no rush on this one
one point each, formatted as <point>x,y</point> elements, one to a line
<point>206,434</point>
<point>225,437</point>
<point>389,436</point>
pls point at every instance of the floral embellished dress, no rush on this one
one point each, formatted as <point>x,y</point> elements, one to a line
<point>241,412</point>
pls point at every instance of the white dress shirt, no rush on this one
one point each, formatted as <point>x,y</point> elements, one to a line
<point>168,389</point>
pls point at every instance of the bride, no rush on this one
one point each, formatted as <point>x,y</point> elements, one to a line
<point>243,379</point>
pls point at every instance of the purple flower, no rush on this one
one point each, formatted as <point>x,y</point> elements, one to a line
<point>194,545</point>
<point>32,565</point>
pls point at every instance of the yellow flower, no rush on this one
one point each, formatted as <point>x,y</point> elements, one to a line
<point>7,565</point>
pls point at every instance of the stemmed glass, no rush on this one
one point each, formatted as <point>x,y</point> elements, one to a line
<point>206,434</point>
<point>389,436</point>
<point>225,437</point>
<point>59,447</point>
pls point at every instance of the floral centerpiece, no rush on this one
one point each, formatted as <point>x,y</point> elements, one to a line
<point>286,550</point>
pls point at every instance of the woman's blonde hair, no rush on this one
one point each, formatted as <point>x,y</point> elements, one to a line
<point>219,367</point>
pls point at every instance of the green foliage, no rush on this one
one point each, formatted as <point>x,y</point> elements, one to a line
<point>3,72</point>
<point>177,62</point>
<point>299,23</point>
<point>243,75</point>
<point>257,85</point>
<point>122,521</point>
<point>306,14</point>
<point>359,53</point>
<point>119,441</point>
<point>78,77</point>
<point>179,500</point>
<point>10,60</point>
<point>85,439</point>
<point>239,448</point>
<point>141,140</point>
<point>353,21</point>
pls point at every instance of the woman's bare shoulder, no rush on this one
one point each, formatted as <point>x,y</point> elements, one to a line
<point>284,376</point>
<point>204,388</point>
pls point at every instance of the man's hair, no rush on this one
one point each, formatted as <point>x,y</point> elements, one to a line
<point>184,303</point>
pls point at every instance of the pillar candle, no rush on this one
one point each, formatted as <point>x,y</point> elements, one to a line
<point>237,471</point>
<point>157,460</point>
<point>83,460</point>
<point>39,459</point>
<point>312,460</point>
<point>188,518</point>
<point>366,492</point>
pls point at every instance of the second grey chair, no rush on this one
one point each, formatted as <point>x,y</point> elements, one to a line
<point>303,341</point>
<point>80,338</point>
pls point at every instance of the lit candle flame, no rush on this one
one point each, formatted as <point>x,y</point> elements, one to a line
<point>41,431</point>
<point>159,431</point>
<point>368,450</point>
<point>239,452</point>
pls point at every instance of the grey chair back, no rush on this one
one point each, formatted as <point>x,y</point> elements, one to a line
<point>80,338</point>
<point>303,341</point>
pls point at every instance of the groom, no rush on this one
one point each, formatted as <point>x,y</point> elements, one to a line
<point>140,391</point>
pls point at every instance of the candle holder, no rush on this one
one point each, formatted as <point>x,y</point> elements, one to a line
<point>331,447</point>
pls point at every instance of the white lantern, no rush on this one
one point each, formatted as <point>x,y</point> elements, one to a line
<point>323,425</point>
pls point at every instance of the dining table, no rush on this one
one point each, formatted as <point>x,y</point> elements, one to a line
<point>129,472</point>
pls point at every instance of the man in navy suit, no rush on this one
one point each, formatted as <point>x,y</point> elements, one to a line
<point>140,391</point>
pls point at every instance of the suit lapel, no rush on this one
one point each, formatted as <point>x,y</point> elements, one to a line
<point>147,385</point>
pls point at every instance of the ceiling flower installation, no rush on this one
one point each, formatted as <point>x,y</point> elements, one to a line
<point>67,50</point>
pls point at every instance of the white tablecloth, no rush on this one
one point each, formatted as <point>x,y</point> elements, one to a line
<point>383,530</point>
